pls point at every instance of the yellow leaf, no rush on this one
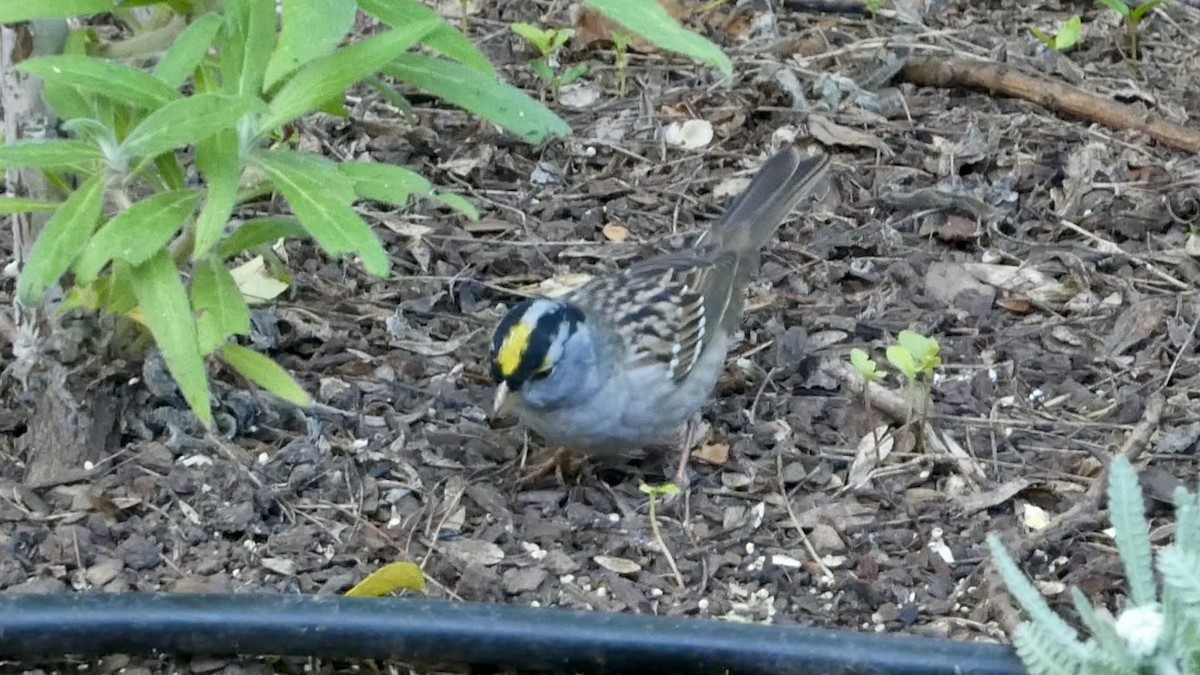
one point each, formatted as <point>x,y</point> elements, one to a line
<point>398,576</point>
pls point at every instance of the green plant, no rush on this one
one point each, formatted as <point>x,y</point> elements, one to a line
<point>1066,37</point>
<point>136,240</point>
<point>549,42</point>
<point>621,47</point>
<point>1155,633</point>
<point>221,87</point>
<point>656,492</point>
<point>1132,17</point>
<point>864,364</point>
<point>873,6</point>
<point>916,357</point>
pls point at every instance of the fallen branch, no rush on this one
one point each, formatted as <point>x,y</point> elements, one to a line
<point>1058,96</point>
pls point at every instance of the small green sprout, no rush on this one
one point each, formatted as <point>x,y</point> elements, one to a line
<point>1065,39</point>
<point>621,46</point>
<point>655,492</point>
<point>873,6</point>
<point>1133,16</point>
<point>548,42</point>
<point>914,355</point>
<point>864,364</point>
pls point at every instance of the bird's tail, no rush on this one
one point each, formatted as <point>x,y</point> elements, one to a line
<point>752,218</point>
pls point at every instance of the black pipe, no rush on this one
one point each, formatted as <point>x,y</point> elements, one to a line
<point>435,631</point>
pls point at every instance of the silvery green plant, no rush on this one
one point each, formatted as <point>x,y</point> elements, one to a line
<point>1158,632</point>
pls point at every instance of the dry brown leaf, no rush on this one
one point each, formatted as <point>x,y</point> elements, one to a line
<point>973,503</point>
<point>873,449</point>
<point>716,454</point>
<point>1015,305</point>
<point>618,565</point>
<point>831,133</point>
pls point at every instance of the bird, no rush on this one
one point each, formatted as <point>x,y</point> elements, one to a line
<point>627,360</point>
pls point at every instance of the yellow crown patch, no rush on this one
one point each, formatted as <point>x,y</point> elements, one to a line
<point>513,349</point>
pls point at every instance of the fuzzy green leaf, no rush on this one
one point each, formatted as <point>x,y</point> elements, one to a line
<point>320,196</point>
<point>61,240</point>
<point>391,184</point>
<point>188,50</point>
<point>311,28</point>
<point>217,158</point>
<point>650,20</point>
<point>456,202</point>
<point>221,311</point>
<point>13,11</point>
<point>187,121</point>
<point>246,41</point>
<point>136,233</point>
<point>257,232</point>
<point>444,39</point>
<point>265,373</point>
<point>164,304</point>
<point>492,100</point>
<point>110,79</point>
<point>11,205</point>
<point>385,182</point>
<point>329,75</point>
<point>50,155</point>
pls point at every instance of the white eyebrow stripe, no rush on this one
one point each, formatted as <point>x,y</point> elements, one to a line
<point>537,309</point>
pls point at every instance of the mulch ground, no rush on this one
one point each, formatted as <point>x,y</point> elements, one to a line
<point>1054,259</point>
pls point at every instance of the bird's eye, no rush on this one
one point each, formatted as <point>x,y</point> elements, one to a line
<point>544,371</point>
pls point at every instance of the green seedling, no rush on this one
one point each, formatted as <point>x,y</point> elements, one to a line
<point>1065,39</point>
<point>621,46</point>
<point>549,42</point>
<point>869,370</point>
<point>864,364</point>
<point>916,357</point>
<point>1156,632</point>
<point>873,6</point>
<point>655,492</point>
<point>1133,17</point>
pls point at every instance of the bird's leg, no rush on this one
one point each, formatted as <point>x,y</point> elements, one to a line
<point>558,464</point>
<point>688,438</point>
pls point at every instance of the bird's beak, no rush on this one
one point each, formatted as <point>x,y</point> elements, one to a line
<point>502,402</point>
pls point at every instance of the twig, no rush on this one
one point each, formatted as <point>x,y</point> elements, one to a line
<point>1106,246</point>
<point>787,503</point>
<point>1054,95</point>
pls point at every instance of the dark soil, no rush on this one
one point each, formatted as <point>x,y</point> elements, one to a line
<point>936,193</point>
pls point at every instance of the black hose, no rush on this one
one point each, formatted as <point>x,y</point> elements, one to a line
<point>435,631</point>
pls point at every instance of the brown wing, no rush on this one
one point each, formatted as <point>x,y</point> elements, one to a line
<point>660,305</point>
